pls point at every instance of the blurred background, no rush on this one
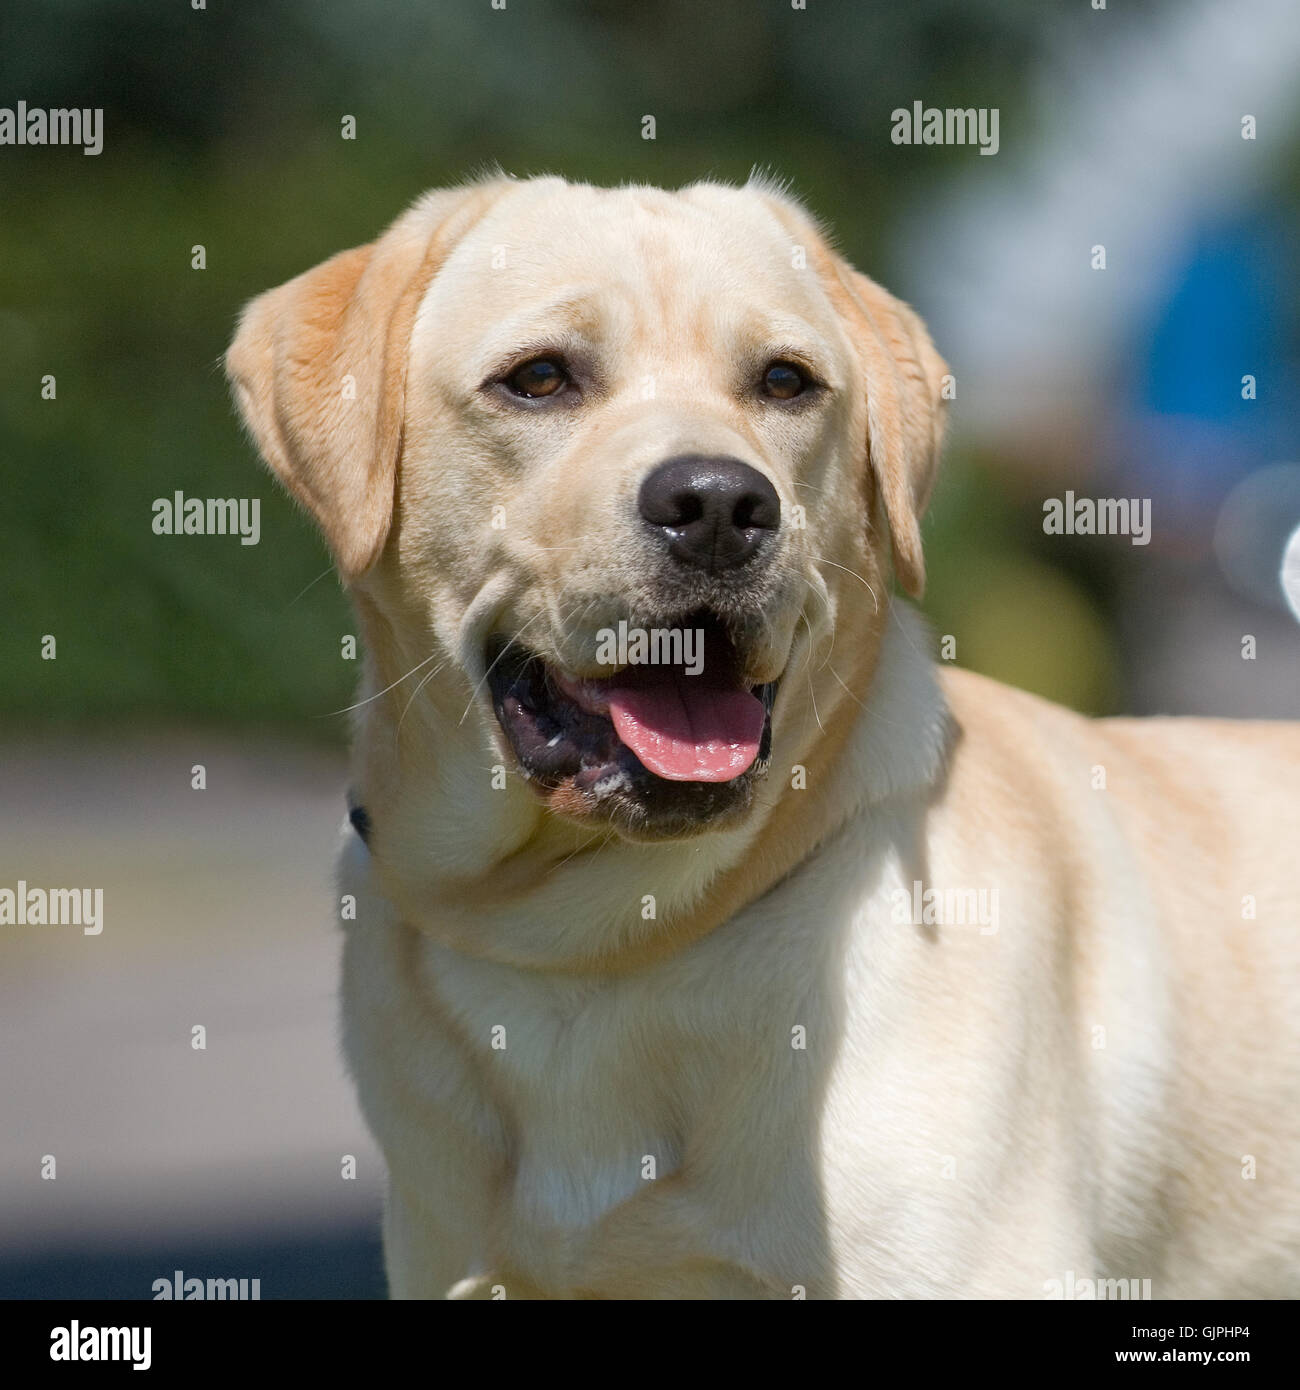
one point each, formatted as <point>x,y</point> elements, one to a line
<point>1169,375</point>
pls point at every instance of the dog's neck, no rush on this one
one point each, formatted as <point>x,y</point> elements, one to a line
<point>491,873</point>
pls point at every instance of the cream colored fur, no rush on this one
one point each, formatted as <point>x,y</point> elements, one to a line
<point>722,1066</point>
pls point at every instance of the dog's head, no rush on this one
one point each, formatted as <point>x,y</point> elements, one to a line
<point>606,472</point>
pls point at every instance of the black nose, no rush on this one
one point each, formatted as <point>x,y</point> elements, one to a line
<point>713,513</point>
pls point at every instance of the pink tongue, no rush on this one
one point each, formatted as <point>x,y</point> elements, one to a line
<point>686,731</point>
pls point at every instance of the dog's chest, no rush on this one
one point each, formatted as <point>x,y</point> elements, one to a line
<point>698,1128</point>
<point>597,1086</point>
<point>609,1097</point>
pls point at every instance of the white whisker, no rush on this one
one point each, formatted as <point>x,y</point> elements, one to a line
<point>541,612</point>
<point>347,709</point>
<point>821,560</point>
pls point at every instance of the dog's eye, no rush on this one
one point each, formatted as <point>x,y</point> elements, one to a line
<point>783,381</point>
<point>544,376</point>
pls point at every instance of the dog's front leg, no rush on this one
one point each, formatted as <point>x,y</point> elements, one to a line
<point>423,1258</point>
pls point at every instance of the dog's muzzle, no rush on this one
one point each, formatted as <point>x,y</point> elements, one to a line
<point>652,747</point>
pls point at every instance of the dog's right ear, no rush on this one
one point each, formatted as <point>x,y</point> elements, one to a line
<point>318,368</point>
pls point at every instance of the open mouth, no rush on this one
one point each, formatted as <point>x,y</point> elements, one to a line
<point>656,743</point>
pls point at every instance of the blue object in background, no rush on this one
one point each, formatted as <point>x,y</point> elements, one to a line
<point>1228,315</point>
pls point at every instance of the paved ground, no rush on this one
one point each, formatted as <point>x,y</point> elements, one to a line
<point>219,911</point>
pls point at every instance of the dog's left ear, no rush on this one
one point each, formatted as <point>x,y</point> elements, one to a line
<point>903,376</point>
<point>906,407</point>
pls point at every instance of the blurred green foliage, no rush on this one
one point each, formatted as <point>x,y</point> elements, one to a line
<point>222,129</point>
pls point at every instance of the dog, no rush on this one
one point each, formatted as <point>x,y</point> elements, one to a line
<point>828,971</point>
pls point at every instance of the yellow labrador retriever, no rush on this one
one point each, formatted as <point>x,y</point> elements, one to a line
<point>709,941</point>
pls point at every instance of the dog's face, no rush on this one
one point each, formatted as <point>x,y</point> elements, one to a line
<point>610,459</point>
